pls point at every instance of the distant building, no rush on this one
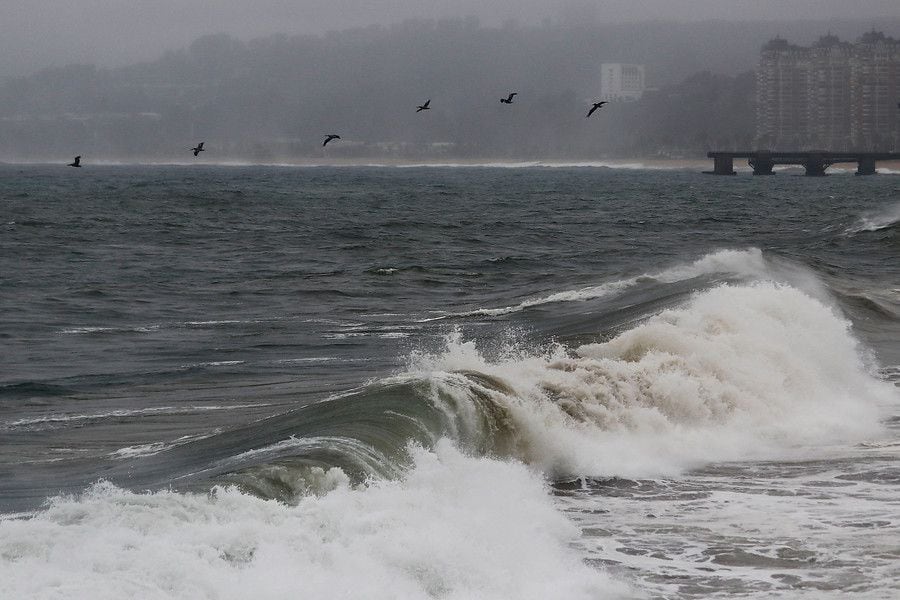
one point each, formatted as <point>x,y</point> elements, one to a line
<point>875,93</point>
<point>621,82</point>
<point>833,95</point>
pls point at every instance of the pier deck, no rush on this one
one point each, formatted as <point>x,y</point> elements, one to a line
<point>814,162</point>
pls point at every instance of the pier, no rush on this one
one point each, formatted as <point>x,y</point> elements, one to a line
<point>814,162</point>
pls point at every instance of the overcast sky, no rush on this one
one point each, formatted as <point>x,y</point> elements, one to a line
<point>39,33</point>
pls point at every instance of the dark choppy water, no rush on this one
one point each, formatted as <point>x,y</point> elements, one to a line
<point>705,368</point>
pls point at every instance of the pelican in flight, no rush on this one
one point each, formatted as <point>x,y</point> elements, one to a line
<point>424,106</point>
<point>329,137</point>
<point>509,99</point>
<point>77,162</point>
<point>198,149</point>
<point>595,106</point>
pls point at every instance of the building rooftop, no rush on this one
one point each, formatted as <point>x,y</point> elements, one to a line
<point>873,37</point>
<point>777,43</point>
<point>828,41</point>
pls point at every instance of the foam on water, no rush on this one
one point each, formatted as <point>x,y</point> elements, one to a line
<point>877,220</point>
<point>741,371</point>
<point>119,414</point>
<point>746,264</point>
<point>454,527</point>
<point>156,447</point>
<point>818,529</point>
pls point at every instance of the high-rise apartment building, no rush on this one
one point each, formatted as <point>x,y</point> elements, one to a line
<point>875,93</point>
<point>831,96</point>
<point>621,82</point>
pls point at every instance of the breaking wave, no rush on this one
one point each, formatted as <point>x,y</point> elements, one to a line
<point>741,370</point>
<point>454,527</point>
<point>739,264</point>
<point>433,482</point>
<point>876,221</point>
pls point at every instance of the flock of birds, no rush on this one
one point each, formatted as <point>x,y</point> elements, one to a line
<point>333,136</point>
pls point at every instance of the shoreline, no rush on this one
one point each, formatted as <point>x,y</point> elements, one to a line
<point>636,164</point>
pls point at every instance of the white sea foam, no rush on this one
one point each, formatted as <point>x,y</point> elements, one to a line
<point>123,413</point>
<point>156,447</point>
<point>741,371</point>
<point>611,164</point>
<point>747,264</point>
<point>160,326</point>
<point>215,363</point>
<point>310,359</point>
<point>127,329</point>
<point>454,527</point>
<point>876,220</point>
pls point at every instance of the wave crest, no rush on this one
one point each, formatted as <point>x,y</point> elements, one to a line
<point>876,221</point>
<point>453,527</point>
<point>748,264</point>
<point>754,370</point>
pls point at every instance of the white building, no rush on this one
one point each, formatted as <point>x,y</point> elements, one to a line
<point>621,82</point>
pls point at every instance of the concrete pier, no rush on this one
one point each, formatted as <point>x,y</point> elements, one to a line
<point>722,165</point>
<point>762,163</point>
<point>866,166</point>
<point>815,162</point>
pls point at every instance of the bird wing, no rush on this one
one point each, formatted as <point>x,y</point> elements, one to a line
<point>427,102</point>
<point>590,112</point>
<point>200,146</point>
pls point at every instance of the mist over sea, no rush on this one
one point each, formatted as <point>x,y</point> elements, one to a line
<point>447,382</point>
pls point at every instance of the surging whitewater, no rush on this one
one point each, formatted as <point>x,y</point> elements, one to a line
<point>876,221</point>
<point>455,527</point>
<point>741,371</point>
<point>750,371</point>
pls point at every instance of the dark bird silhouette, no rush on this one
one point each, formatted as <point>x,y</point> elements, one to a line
<point>329,137</point>
<point>77,162</point>
<point>424,106</point>
<point>509,99</point>
<point>595,106</point>
<point>198,149</point>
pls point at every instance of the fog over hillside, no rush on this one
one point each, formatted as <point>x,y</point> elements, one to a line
<point>272,98</point>
<point>42,33</point>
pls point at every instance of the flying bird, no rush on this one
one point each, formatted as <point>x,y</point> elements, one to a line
<point>198,149</point>
<point>509,99</point>
<point>77,162</point>
<point>595,106</point>
<point>424,106</point>
<point>329,137</point>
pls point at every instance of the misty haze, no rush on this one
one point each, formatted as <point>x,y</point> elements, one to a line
<point>256,93</point>
<point>506,300</point>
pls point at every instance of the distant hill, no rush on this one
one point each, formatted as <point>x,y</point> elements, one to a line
<point>273,98</point>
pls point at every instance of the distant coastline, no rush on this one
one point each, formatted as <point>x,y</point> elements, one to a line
<point>687,164</point>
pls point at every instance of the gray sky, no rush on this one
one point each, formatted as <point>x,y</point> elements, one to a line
<point>40,33</point>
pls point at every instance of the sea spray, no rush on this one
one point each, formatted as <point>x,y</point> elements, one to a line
<point>453,527</point>
<point>743,265</point>
<point>877,220</point>
<point>740,371</point>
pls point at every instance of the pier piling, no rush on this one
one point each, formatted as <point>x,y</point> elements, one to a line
<point>816,163</point>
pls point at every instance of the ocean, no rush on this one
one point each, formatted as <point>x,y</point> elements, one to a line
<point>452,382</point>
